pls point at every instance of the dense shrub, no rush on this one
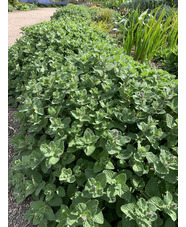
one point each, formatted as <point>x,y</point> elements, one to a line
<point>32,6</point>
<point>105,4</point>
<point>143,4</point>
<point>168,12</point>
<point>105,15</point>
<point>170,63</point>
<point>98,139</point>
<point>81,12</point>
<point>172,3</point>
<point>10,8</point>
<point>169,59</point>
<point>102,25</point>
<point>93,10</point>
<point>23,7</point>
<point>13,2</point>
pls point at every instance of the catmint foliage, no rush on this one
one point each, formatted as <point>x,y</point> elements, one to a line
<point>92,150</point>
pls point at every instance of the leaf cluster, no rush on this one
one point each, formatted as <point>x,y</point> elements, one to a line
<point>10,8</point>
<point>148,32</point>
<point>169,59</point>
<point>79,12</point>
<point>98,131</point>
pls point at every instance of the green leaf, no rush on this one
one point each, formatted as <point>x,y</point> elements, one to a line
<point>168,198</point>
<point>127,223</point>
<point>169,121</point>
<point>98,166</point>
<point>98,217</point>
<point>29,188</point>
<point>151,188</point>
<point>137,182</point>
<point>55,201</point>
<point>109,165</point>
<point>109,67</point>
<point>62,214</point>
<point>142,204</point>
<point>171,177</point>
<point>128,209</point>
<point>121,179</point>
<point>102,179</point>
<point>49,214</point>
<point>36,205</point>
<point>39,188</point>
<point>51,111</point>
<point>60,191</point>
<point>72,188</point>
<point>66,175</point>
<point>156,201</point>
<point>92,206</point>
<point>67,158</point>
<point>151,158</point>
<point>138,168</point>
<point>124,140</point>
<point>161,168</point>
<point>127,153</point>
<point>89,150</point>
<point>110,176</point>
<point>53,160</point>
<point>170,223</point>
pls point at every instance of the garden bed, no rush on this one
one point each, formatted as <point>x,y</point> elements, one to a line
<point>97,144</point>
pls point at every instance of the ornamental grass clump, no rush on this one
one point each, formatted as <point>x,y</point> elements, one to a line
<point>147,34</point>
<point>92,150</point>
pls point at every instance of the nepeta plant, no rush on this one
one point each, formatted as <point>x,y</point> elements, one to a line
<point>98,131</point>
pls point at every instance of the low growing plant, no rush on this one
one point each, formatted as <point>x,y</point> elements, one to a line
<point>32,6</point>
<point>10,8</point>
<point>103,25</point>
<point>13,2</point>
<point>105,15</point>
<point>23,7</point>
<point>169,59</point>
<point>98,131</point>
<point>78,11</point>
<point>143,5</point>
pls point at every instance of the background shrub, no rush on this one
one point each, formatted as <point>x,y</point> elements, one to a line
<point>13,2</point>
<point>81,12</point>
<point>143,4</point>
<point>98,138</point>
<point>10,8</point>
<point>105,15</point>
<point>32,6</point>
<point>106,4</point>
<point>169,59</point>
<point>23,7</point>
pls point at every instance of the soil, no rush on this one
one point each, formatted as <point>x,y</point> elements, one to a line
<point>16,20</point>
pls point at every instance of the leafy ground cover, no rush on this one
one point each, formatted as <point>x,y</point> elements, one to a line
<point>98,139</point>
<point>21,7</point>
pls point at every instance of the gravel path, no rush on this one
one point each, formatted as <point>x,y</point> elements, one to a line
<point>18,19</point>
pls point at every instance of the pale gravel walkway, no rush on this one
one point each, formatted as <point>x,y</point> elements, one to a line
<point>18,19</point>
